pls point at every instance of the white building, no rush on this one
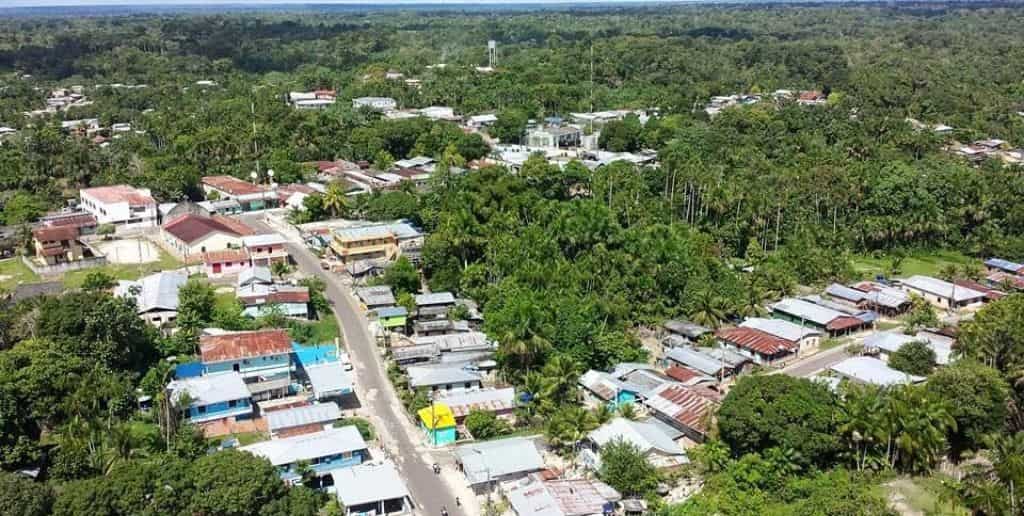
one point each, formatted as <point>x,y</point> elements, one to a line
<point>120,205</point>
<point>375,103</point>
<point>942,294</point>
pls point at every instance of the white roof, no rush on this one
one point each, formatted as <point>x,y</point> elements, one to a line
<point>873,371</point>
<point>210,389</point>
<point>806,310</point>
<point>417,161</point>
<point>289,450</point>
<point>942,288</point>
<point>329,378</point>
<point>299,416</point>
<point>495,459</point>
<point>426,376</point>
<point>488,400</point>
<point>368,483</point>
<point>252,275</point>
<point>483,119</point>
<point>261,240</point>
<point>892,341</point>
<point>644,435</point>
<point>156,292</point>
<point>779,328</point>
<point>437,298</point>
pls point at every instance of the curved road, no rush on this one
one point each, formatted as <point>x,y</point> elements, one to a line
<point>401,441</point>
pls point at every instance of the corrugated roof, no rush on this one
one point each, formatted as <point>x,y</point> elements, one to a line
<point>437,415</point>
<point>644,435</point>
<point>244,344</point>
<point>467,341</point>
<point>882,295</point>
<point>487,400</point>
<point>436,298</point>
<point>156,292</point>
<point>289,450</point>
<point>499,458</point>
<point>255,274</point>
<point>191,227</point>
<point>873,371</point>
<point>232,185</point>
<point>941,288</point>
<point>376,296</point>
<point>844,292</point>
<point>301,416</point>
<point>368,483</point>
<point>695,359</point>
<point>755,340</point>
<point>262,240</point>
<point>682,405</point>
<point>602,384</point>
<point>780,328</point>
<point>121,193</point>
<point>1005,265</point>
<point>806,310</point>
<point>392,311</point>
<point>328,378</point>
<point>210,389</point>
<point>428,376</point>
<point>687,328</point>
<point>55,234</point>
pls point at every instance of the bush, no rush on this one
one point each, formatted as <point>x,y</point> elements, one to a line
<point>365,427</point>
<point>914,357</point>
<point>485,425</point>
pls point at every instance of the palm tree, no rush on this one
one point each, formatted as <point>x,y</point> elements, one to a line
<point>569,425</point>
<point>710,310</point>
<point>916,423</point>
<point>335,200</point>
<point>279,269</point>
<point>628,411</point>
<point>560,376</point>
<point>521,354</point>
<point>1007,453</point>
<point>861,409</point>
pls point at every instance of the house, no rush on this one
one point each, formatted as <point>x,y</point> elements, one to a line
<point>260,299</point>
<point>872,371</point>
<point>800,338</point>
<point>554,136</point>
<point>942,294</point>
<point>886,300</point>
<point>500,402</point>
<point>707,361</point>
<point>393,318</point>
<point>652,437</point>
<point>313,100</point>
<point>189,236</point>
<point>439,113</point>
<point>480,121</point>
<point>228,262</point>
<point>888,342</point>
<point>600,387</point>
<point>301,420</point>
<point>55,245</point>
<point>85,222</point>
<point>376,297</point>
<point>438,423</point>
<point>498,461</point>
<point>443,377</point>
<point>375,103</point>
<point>328,380</point>
<point>995,279</point>
<point>682,333</point>
<point>372,489</point>
<point>156,296</point>
<point>686,409</point>
<point>365,243</point>
<point>821,318</point>
<point>641,377</point>
<point>228,187</point>
<point>687,376</point>
<point>213,397</point>
<point>219,207</point>
<point>266,249</point>
<point>1001,265</point>
<point>435,305</point>
<point>262,358</point>
<point>533,496</point>
<point>120,205</point>
<point>763,348</point>
<point>325,451</point>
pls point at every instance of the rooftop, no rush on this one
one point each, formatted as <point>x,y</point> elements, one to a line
<point>289,450</point>
<point>121,194</point>
<point>329,378</point>
<point>873,371</point>
<point>155,292</point>
<point>300,416</point>
<point>488,400</point>
<point>436,415</point>
<point>427,376</point>
<point>942,288</point>
<point>376,296</point>
<point>695,358</point>
<point>244,344</point>
<point>494,459</point>
<point>755,340</point>
<point>232,185</point>
<point>436,298</point>
<point>191,227</point>
<point>368,483</point>
<point>263,240</point>
<point>210,389</point>
<point>779,328</point>
<point>645,435</point>
<point>575,497</point>
<point>682,405</point>
<point>686,328</point>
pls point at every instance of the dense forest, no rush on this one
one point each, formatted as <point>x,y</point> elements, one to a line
<point>566,262</point>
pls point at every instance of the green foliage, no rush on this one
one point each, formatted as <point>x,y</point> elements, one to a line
<point>485,425</point>
<point>915,357</point>
<point>402,276</point>
<point>196,301</point>
<point>625,467</point>
<point>921,315</point>
<point>22,208</point>
<point>622,135</point>
<point>20,496</point>
<point>364,426</point>
<point>977,397</point>
<point>98,280</point>
<point>510,127</point>
<point>762,412</point>
<point>995,336</point>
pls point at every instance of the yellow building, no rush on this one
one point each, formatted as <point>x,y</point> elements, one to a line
<point>367,243</point>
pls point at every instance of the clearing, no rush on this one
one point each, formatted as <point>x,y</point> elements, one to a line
<point>925,263</point>
<point>918,496</point>
<point>13,272</point>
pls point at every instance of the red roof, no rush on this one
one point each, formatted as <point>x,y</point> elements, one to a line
<point>247,344</point>
<point>232,185</point>
<point>683,405</point>
<point>227,255</point>
<point>682,374</point>
<point>78,220</point>
<point>191,227</point>
<point>844,322</point>
<point>755,340</point>
<point>120,193</point>
<point>54,234</point>
<point>997,278</point>
<point>287,296</point>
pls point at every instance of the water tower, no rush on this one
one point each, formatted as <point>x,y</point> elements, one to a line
<point>492,53</point>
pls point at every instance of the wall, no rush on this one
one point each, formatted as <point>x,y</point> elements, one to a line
<point>61,268</point>
<point>258,366</point>
<point>220,411</point>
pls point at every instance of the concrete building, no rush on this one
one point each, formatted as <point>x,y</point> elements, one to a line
<point>120,205</point>
<point>942,294</point>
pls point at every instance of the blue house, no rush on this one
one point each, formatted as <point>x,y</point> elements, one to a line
<point>324,451</point>
<point>262,358</point>
<point>213,397</point>
<point>600,387</point>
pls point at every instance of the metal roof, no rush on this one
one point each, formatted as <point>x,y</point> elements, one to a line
<point>780,328</point>
<point>244,344</point>
<point>468,341</point>
<point>570,497</point>
<point>892,341</point>
<point>363,233</point>
<point>687,328</point>
<point>210,389</point>
<point>256,274</point>
<point>368,483</point>
<point>392,311</point>
<point>261,240</point>
<point>427,376</point>
<point>329,378</point>
<point>941,288</point>
<point>643,434</point>
<point>1004,265</point>
<point>844,292</point>
<point>682,405</point>
<point>695,359</point>
<point>873,371</point>
<point>755,340</point>
<point>300,416</point>
<point>380,295</point>
<point>603,385</point>
<point>489,400</point>
<point>882,295</point>
<point>495,459</point>
<point>817,314</point>
<point>156,292</point>
<point>436,298</point>
<point>327,442</point>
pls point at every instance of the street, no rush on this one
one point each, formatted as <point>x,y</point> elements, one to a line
<point>818,362</point>
<point>379,402</point>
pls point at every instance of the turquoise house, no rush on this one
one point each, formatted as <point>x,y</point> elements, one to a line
<point>324,451</point>
<point>213,397</point>
<point>263,358</point>
<point>438,423</point>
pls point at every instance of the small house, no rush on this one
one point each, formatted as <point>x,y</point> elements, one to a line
<point>229,262</point>
<point>941,293</point>
<point>821,318</point>
<point>761,347</point>
<point>56,245</point>
<point>392,318</point>
<point>324,451</point>
<point>681,332</point>
<point>213,397</point>
<point>500,402</point>
<point>443,377</point>
<point>800,338</point>
<point>686,409</point>
<point>156,296</point>
<point>653,438</point>
<point>307,419</point>
<point>600,387</point>
<point>533,496</point>
<point>190,235</point>
<point>373,298</point>
<point>435,305</point>
<point>328,380</point>
<point>1001,265</point>
<point>438,423</point>
<point>498,461</point>
<point>872,371</point>
<point>372,489</point>
<point>266,249</point>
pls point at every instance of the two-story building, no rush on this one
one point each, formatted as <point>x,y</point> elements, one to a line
<point>324,451</point>
<point>365,243</point>
<point>212,397</point>
<point>266,249</point>
<point>120,205</point>
<point>262,358</point>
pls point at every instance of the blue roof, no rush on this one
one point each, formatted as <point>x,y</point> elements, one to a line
<point>314,354</point>
<point>188,370</point>
<point>1005,265</point>
<point>392,311</point>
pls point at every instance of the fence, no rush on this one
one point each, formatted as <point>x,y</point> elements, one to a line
<point>61,268</point>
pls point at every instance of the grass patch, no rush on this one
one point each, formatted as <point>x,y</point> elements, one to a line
<point>244,438</point>
<point>888,325</point>
<point>14,272</point>
<point>365,427</point>
<point>924,263</point>
<point>923,494</point>
<point>830,343</point>
<point>166,262</point>
<point>321,331</point>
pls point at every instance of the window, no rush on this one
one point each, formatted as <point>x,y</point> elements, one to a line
<point>201,409</point>
<point>468,385</point>
<point>236,368</point>
<point>232,404</point>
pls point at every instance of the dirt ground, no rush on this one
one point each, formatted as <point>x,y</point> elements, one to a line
<point>128,251</point>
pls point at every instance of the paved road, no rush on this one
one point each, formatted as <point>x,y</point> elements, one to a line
<point>377,395</point>
<point>817,362</point>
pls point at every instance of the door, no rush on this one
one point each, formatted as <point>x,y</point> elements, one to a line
<point>216,268</point>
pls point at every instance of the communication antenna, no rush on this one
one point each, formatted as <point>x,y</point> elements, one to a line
<point>591,80</point>
<point>492,53</point>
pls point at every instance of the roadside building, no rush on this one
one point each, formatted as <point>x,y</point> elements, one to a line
<point>323,452</point>
<point>262,358</point>
<point>228,262</point>
<point>393,318</point>
<point>761,347</point>
<point>686,409</point>
<point>189,236</point>
<point>498,461</point>
<point>603,388</point>
<point>121,205</point>
<point>800,338</point>
<point>372,489</point>
<point>435,305</point>
<point>329,380</point>
<point>57,245</point>
<point>213,397</point>
<point>365,243</point>
<point>654,439</point>
<point>376,297</point>
<point>533,496</point>
<point>707,361</point>
<point>438,423</point>
<point>443,377</point>
<point>500,402</point>
<point>821,318</point>
<point>941,293</point>
<point>872,371</point>
<point>302,420</point>
<point>886,300</point>
<point>885,343</point>
<point>267,249</point>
